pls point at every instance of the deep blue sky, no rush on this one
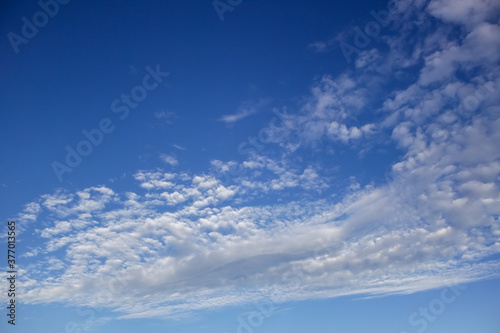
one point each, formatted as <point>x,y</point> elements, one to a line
<point>374,173</point>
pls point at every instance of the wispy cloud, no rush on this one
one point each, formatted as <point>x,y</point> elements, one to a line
<point>246,109</point>
<point>321,46</point>
<point>176,146</point>
<point>166,116</point>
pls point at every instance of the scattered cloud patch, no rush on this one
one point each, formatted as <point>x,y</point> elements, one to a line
<point>246,109</point>
<point>166,116</point>
<point>169,159</point>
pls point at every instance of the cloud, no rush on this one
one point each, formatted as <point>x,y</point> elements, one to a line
<point>278,225</point>
<point>151,180</point>
<point>169,159</point>
<point>328,115</point>
<point>156,262</point>
<point>245,110</point>
<point>60,227</point>
<point>467,13</point>
<point>263,174</point>
<point>166,116</point>
<point>319,46</point>
<point>241,114</point>
<point>178,146</point>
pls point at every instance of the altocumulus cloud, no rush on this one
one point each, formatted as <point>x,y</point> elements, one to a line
<point>179,242</point>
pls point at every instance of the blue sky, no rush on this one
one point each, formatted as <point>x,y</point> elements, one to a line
<point>252,166</point>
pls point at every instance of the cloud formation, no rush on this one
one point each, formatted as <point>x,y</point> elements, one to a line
<point>245,109</point>
<point>273,226</point>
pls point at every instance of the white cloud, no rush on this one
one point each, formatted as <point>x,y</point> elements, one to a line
<point>319,46</point>
<point>327,115</point>
<point>178,147</point>
<point>465,12</point>
<point>154,180</point>
<point>263,174</point>
<point>164,262</point>
<point>245,110</point>
<point>169,159</point>
<point>166,116</point>
<point>30,212</point>
<point>60,227</point>
<point>174,255</point>
<point>242,113</point>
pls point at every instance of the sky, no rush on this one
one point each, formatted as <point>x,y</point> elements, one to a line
<point>251,166</point>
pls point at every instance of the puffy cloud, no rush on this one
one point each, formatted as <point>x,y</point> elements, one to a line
<point>153,180</point>
<point>169,159</point>
<point>60,227</point>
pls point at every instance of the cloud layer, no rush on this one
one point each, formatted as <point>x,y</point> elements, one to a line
<point>270,227</point>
